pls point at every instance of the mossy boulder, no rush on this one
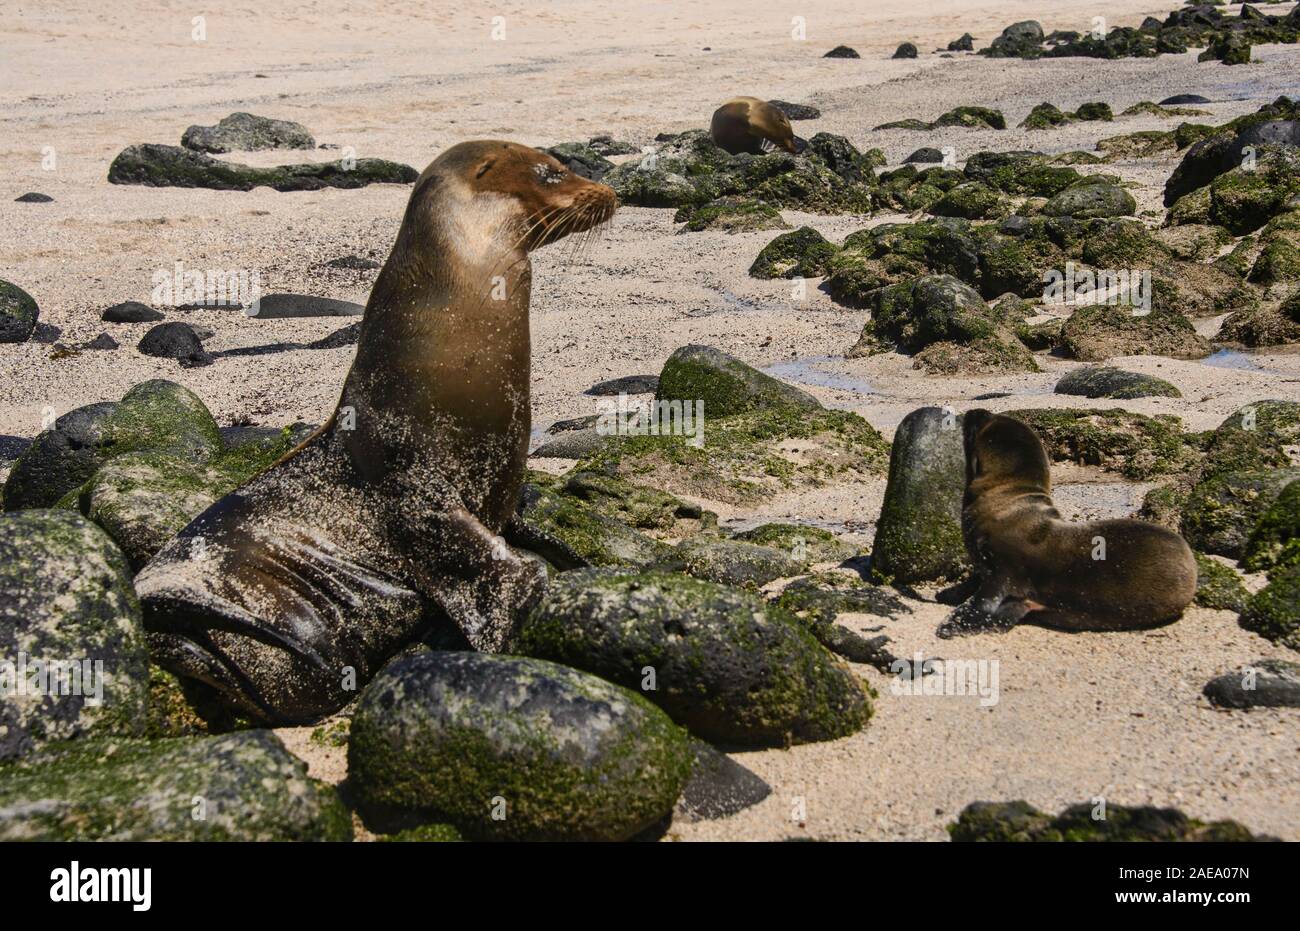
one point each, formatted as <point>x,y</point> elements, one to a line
<point>1256,437</point>
<point>806,545</point>
<point>1019,40</point>
<point>73,658</point>
<point>635,505</point>
<point>942,311</point>
<point>1265,683</point>
<point>1095,111</point>
<point>1274,611</point>
<point>1222,510</point>
<point>971,201</point>
<point>1218,586</point>
<point>744,458</point>
<point>973,117</point>
<point>1260,326</point>
<point>918,534</point>
<point>730,215</point>
<point>18,313</point>
<point>1147,143</point>
<point>730,562</point>
<point>244,132</point>
<point>1229,48</point>
<point>1045,116</point>
<point>171,166</point>
<point>1135,445</point>
<point>1275,540</point>
<point>1108,382</point>
<point>581,159</point>
<point>237,787</point>
<point>1098,332</point>
<point>571,533</point>
<point>718,660</point>
<point>512,748</point>
<point>158,416</point>
<point>1091,199</point>
<point>724,384</point>
<point>1027,174</point>
<point>803,253</point>
<point>1021,822</point>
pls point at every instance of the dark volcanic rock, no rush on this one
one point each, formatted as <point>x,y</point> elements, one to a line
<point>177,341</point>
<point>244,132</point>
<point>842,51</point>
<point>965,44</point>
<point>1020,821</point>
<point>717,660</point>
<point>906,50</point>
<point>925,156</point>
<point>582,160</point>
<point>66,599</point>
<point>1266,683</point>
<point>18,313</point>
<point>1183,99</point>
<point>171,166</point>
<point>1107,382</point>
<point>512,748</point>
<point>33,197</point>
<point>918,535</point>
<point>628,384</point>
<point>725,384</point>
<point>130,312</point>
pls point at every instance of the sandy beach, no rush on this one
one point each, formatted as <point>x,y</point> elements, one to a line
<point>1116,715</point>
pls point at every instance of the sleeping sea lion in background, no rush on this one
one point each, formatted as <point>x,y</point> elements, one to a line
<point>747,124</point>
<point>287,595</point>
<point>1033,567</point>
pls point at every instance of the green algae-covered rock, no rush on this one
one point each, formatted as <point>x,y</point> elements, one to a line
<point>158,415</point>
<point>730,562</point>
<point>244,132</point>
<point>18,313</point>
<point>1107,382</point>
<point>1134,445</point>
<point>1019,821</point>
<point>171,166</point>
<point>1273,612</point>
<point>918,535</point>
<point>1095,333</point>
<point>426,834</point>
<point>979,117</point>
<point>1261,327</point>
<point>73,659</point>
<point>1257,437</point>
<point>730,215</point>
<point>1091,199</point>
<point>574,534</point>
<point>1222,510</point>
<point>806,545</point>
<point>511,748</point>
<point>941,309</point>
<point>746,457</point>
<point>1022,173</point>
<point>1045,116</point>
<point>1275,541</point>
<point>724,384</point>
<point>718,660</point>
<point>237,787</point>
<point>634,505</point>
<point>1095,111</point>
<point>1265,683</point>
<point>1218,586</point>
<point>803,253</point>
<point>972,201</point>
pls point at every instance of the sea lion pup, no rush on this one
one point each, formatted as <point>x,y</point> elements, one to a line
<point>287,595</point>
<point>1033,567</point>
<point>747,124</point>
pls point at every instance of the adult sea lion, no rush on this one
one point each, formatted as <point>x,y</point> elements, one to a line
<point>1033,567</point>
<point>288,594</point>
<point>747,124</point>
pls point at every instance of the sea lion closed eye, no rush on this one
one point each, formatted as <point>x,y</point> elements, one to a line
<point>288,594</point>
<point>1033,567</point>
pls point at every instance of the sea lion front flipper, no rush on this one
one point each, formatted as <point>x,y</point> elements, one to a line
<point>457,562</point>
<point>956,594</point>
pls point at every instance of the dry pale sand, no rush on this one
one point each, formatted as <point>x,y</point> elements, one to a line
<point>1118,715</point>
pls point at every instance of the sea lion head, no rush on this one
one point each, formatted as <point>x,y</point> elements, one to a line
<point>743,124</point>
<point>1003,451</point>
<point>532,197</point>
